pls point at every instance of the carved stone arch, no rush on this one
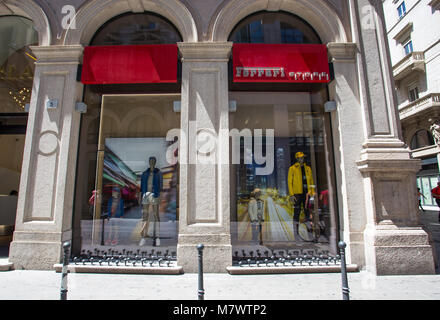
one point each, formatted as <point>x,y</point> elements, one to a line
<point>110,114</point>
<point>32,11</point>
<point>138,112</point>
<point>95,13</point>
<point>416,130</point>
<point>321,16</point>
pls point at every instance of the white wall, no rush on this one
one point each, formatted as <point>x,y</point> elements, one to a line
<point>425,37</point>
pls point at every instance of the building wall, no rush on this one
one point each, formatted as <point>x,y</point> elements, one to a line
<point>373,169</point>
<point>425,38</point>
<point>424,16</point>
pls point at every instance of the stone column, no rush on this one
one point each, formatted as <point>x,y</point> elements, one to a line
<point>394,241</point>
<point>204,169</point>
<point>348,138</point>
<point>44,212</point>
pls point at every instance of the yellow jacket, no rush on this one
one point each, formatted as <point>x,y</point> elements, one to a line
<point>294,180</point>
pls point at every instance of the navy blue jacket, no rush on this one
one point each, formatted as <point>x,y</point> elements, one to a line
<point>157,182</point>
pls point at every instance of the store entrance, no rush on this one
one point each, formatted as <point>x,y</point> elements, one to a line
<point>129,202</point>
<point>282,190</point>
<point>12,138</point>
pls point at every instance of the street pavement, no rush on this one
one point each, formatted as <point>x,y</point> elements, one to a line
<point>45,285</point>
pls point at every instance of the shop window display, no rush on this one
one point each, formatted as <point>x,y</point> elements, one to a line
<point>288,205</point>
<point>133,198</point>
<point>287,208</point>
<point>16,63</point>
<point>126,197</point>
<point>17,34</point>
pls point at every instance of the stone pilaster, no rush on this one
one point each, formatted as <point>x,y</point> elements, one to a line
<point>348,138</point>
<point>44,212</point>
<point>394,241</point>
<point>204,215</point>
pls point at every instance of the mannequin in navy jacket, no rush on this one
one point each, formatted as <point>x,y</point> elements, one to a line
<point>151,187</point>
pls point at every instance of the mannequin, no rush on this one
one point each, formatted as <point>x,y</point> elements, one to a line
<point>300,182</point>
<point>151,187</point>
<point>256,216</point>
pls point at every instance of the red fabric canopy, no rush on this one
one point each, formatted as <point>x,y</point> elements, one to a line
<point>130,64</point>
<point>296,63</point>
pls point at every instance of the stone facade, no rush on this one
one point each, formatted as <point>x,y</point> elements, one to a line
<point>374,170</point>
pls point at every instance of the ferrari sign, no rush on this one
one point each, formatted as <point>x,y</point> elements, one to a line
<point>296,63</point>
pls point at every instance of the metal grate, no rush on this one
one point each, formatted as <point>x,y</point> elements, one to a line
<point>284,258</point>
<point>126,258</point>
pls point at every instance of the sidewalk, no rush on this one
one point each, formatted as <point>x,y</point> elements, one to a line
<point>45,285</point>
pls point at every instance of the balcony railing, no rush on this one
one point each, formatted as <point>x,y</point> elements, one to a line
<point>413,62</point>
<point>429,101</point>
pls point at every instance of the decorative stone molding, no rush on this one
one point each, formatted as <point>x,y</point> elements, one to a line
<point>205,51</point>
<point>274,5</point>
<point>426,103</point>
<point>33,11</point>
<point>95,13</point>
<point>57,54</point>
<point>428,151</point>
<point>404,32</point>
<point>319,14</point>
<point>136,6</point>
<point>413,62</point>
<point>342,52</point>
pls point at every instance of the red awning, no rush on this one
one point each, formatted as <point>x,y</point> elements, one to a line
<point>130,64</point>
<point>295,63</point>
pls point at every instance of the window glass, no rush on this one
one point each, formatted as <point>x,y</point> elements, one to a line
<point>127,189</point>
<point>282,194</point>
<point>427,187</point>
<point>16,63</point>
<point>133,29</point>
<point>408,47</point>
<point>421,138</point>
<point>429,199</point>
<point>401,10</point>
<point>413,94</point>
<point>269,27</point>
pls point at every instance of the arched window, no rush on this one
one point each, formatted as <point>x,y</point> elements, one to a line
<point>270,27</point>
<point>16,63</point>
<point>136,29</point>
<point>421,138</point>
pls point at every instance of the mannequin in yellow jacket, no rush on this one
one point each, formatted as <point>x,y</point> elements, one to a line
<point>300,182</point>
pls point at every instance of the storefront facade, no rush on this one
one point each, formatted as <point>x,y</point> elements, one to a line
<point>251,125</point>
